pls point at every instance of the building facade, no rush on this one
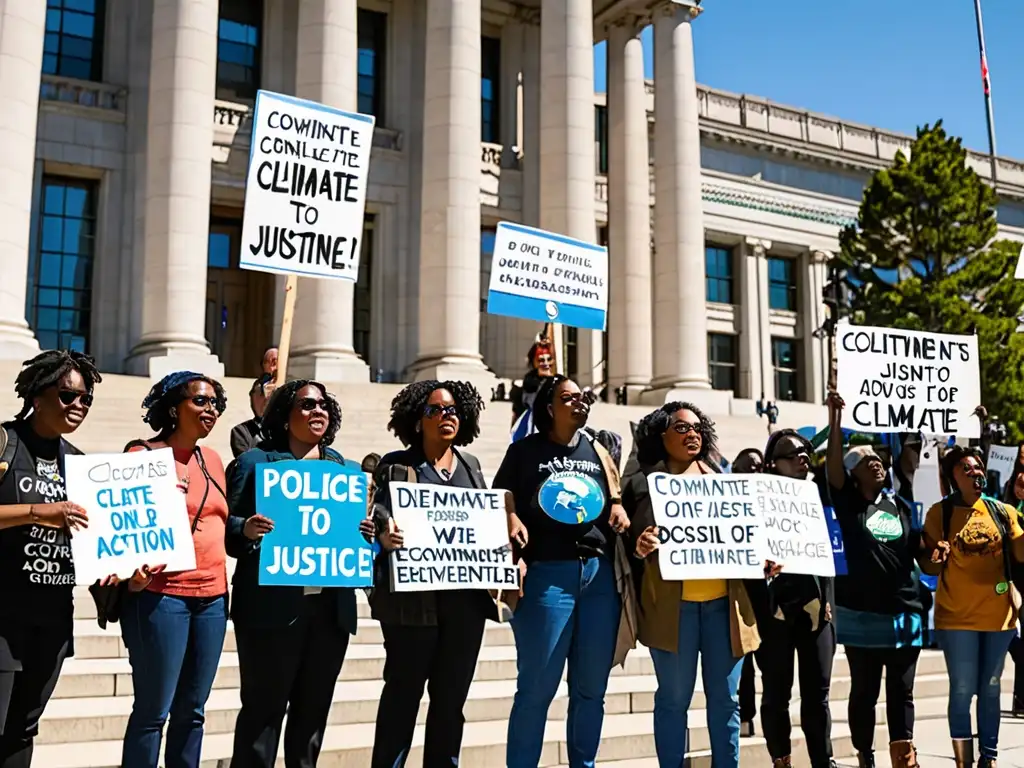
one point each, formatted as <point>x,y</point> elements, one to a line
<point>125,140</point>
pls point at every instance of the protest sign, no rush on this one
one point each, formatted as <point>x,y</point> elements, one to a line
<point>305,193</point>
<point>316,507</point>
<point>708,526</point>
<point>137,514</point>
<point>455,538</point>
<point>537,275</point>
<point>909,381</point>
<point>1001,459</point>
<point>796,529</point>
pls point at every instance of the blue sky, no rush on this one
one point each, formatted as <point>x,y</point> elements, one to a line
<point>894,64</point>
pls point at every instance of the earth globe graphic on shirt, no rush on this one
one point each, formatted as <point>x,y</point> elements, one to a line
<point>571,498</point>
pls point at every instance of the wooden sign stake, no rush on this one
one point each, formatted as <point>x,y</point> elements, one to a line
<point>283,347</point>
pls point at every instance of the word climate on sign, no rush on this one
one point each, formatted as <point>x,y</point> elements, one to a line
<point>707,525</point>
<point>455,538</point>
<point>137,514</point>
<point>909,381</point>
<point>306,189</point>
<point>316,507</point>
<point>537,275</point>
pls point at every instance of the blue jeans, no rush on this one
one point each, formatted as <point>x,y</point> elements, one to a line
<point>174,646</point>
<point>974,663</point>
<point>703,630</point>
<point>569,611</point>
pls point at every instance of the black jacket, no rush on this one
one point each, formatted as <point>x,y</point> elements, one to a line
<point>245,436</point>
<point>415,609</point>
<point>253,605</point>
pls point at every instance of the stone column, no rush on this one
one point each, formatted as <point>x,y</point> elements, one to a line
<point>449,299</point>
<point>21,61</point>
<point>326,71</point>
<point>629,213</point>
<point>680,315</point>
<point>755,322</point>
<point>812,317</point>
<point>567,140</point>
<point>182,83</point>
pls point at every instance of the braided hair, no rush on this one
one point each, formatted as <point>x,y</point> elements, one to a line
<point>170,392</point>
<point>407,410</point>
<point>278,412</point>
<point>46,369</point>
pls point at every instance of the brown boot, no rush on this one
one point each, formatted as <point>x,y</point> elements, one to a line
<point>783,762</point>
<point>903,755</point>
<point>986,762</point>
<point>963,753</point>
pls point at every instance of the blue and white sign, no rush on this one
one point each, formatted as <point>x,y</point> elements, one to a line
<point>316,507</point>
<point>306,190</point>
<point>571,497</point>
<point>538,275</point>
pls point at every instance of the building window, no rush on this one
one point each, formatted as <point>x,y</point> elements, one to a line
<point>784,361</point>
<point>718,275</point>
<point>722,361</point>
<point>61,302</point>
<point>781,284</point>
<point>373,35</point>
<point>490,89</point>
<point>73,46</point>
<point>362,301</point>
<point>238,49</point>
<point>601,137</point>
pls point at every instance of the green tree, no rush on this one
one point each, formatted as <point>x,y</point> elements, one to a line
<point>923,256</point>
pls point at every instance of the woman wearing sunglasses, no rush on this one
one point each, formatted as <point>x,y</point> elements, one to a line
<point>291,640</point>
<point>681,621</point>
<point>36,522</point>
<point>794,616</point>
<point>577,591</point>
<point>173,624</point>
<point>432,638</point>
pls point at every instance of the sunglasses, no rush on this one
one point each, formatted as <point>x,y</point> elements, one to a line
<point>586,396</point>
<point>431,411</point>
<point>684,427</point>
<point>798,456</point>
<point>205,401</point>
<point>312,404</point>
<point>70,397</point>
<point>545,359</point>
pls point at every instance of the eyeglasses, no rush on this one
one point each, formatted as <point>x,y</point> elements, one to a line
<point>445,411</point>
<point>311,404</point>
<point>586,396</point>
<point>205,401</point>
<point>798,456</point>
<point>70,396</point>
<point>684,427</point>
<point>542,359</point>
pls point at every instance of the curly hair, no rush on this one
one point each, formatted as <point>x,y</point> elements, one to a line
<point>773,445</point>
<point>274,424</point>
<point>407,410</point>
<point>46,369</point>
<point>951,458</point>
<point>650,449</point>
<point>170,392</point>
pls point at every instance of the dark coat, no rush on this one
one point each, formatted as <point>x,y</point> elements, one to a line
<point>265,606</point>
<point>245,437</point>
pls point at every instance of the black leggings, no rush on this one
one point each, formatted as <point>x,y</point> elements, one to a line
<point>866,666</point>
<point>23,694</point>
<point>748,694</point>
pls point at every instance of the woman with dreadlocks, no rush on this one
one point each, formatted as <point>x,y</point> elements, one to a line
<point>174,624</point>
<point>36,520</point>
<point>432,638</point>
<point>291,640</point>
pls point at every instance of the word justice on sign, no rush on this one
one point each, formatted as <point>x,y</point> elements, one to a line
<point>316,512</point>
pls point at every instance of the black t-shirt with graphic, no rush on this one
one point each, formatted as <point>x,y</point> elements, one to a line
<point>561,495</point>
<point>36,569</point>
<point>879,545</point>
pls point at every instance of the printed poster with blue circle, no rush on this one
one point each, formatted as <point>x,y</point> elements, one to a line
<point>316,507</point>
<point>571,498</point>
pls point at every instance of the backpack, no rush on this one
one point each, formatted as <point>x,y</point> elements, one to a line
<point>1013,572</point>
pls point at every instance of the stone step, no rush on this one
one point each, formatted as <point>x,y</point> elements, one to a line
<point>105,717</point>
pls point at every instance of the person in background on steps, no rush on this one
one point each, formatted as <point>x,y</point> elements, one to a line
<point>291,640</point>
<point>881,613</point>
<point>173,624</point>
<point>269,365</point>
<point>247,434</point>
<point>578,603</point>
<point>709,619</point>
<point>541,362</point>
<point>749,461</point>
<point>36,609</point>
<point>973,540</point>
<point>794,615</point>
<point>431,638</point>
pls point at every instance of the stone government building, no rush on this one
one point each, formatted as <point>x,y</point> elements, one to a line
<point>122,203</point>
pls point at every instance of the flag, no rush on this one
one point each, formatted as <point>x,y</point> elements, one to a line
<point>523,426</point>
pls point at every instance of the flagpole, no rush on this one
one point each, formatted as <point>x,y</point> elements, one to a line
<point>986,84</point>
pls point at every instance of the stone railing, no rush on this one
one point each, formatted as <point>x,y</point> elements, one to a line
<point>601,188</point>
<point>82,93</point>
<point>490,173</point>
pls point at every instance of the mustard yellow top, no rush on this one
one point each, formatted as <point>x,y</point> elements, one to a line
<point>704,590</point>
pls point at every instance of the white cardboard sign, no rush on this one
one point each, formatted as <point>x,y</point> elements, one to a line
<point>908,381</point>
<point>305,194</point>
<point>137,514</point>
<point>1001,459</point>
<point>455,538</point>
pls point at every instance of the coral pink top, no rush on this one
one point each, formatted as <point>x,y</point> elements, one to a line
<point>210,578</point>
